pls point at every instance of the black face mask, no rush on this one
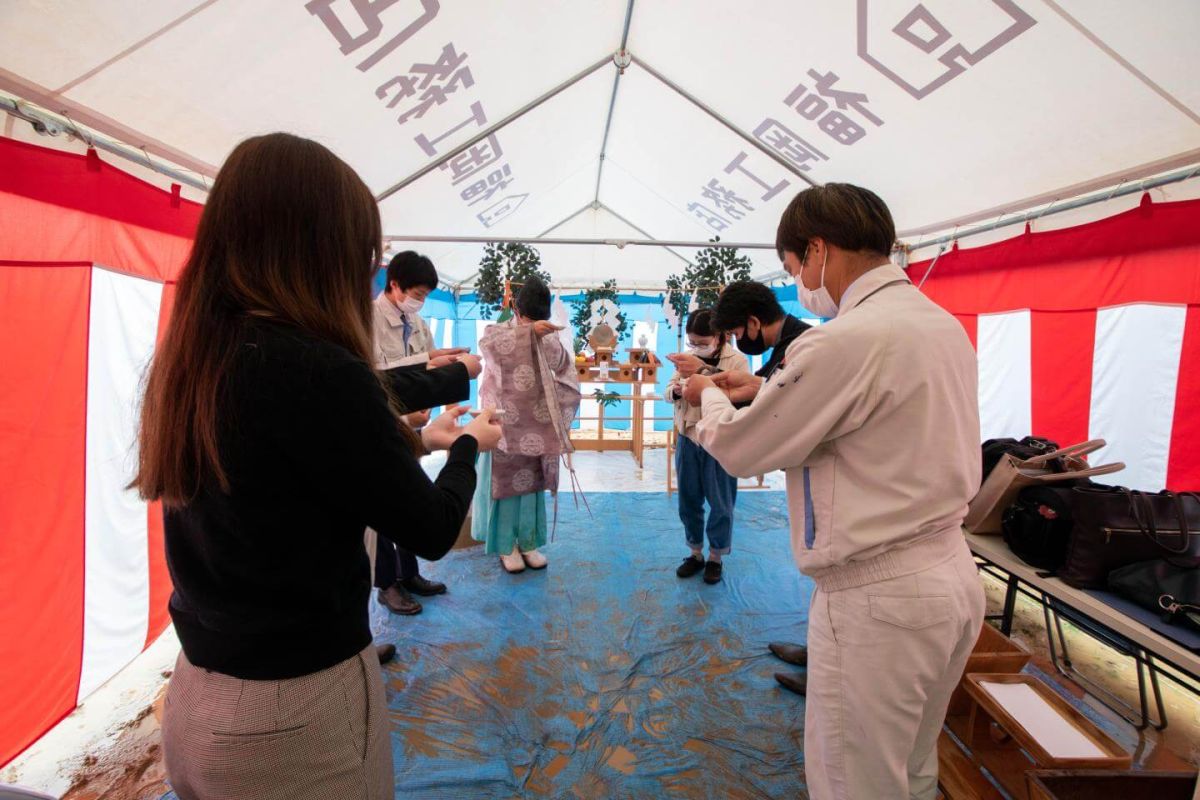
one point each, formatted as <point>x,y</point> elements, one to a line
<point>752,347</point>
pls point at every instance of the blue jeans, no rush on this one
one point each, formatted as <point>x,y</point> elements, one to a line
<point>701,478</point>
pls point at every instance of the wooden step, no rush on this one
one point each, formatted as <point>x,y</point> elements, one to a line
<point>958,776</point>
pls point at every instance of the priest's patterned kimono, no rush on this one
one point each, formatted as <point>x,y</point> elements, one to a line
<point>534,382</point>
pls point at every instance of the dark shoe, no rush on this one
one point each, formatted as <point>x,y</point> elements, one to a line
<point>399,601</point>
<point>419,585</point>
<point>690,566</point>
<point>793,681</point>
<point>386,652</point>
<point>712,572</point>
<point>791,653</point>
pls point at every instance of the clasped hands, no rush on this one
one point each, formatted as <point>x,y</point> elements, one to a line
<point>741,387</point>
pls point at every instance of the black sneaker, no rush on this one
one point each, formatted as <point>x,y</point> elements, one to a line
<point>712,572</point>
<point>690,566</point>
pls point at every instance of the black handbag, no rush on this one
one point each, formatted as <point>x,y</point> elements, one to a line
<point>1116,527</point>
<point>1037,527</point>
<point>1168,590</point>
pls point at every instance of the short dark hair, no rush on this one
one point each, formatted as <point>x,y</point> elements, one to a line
<point>701,323</point>
<point>848,216</point>
<point>533,301</point>
<point>410,270</point>
<point>742,300</point>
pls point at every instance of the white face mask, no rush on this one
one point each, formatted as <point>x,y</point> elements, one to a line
<point>706,351</point>
<point>410,305</point>
<point>818,300</point>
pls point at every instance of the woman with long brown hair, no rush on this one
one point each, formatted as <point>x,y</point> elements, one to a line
<point>273,443</point>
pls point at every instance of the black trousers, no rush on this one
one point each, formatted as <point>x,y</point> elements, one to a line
<point>392,563</point>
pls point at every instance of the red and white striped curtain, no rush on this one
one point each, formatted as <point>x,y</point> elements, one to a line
<point>1090,332</point>
<point>88,253</point>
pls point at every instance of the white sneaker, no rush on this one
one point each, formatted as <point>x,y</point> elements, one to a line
<point>513,563</point>
<point>534,559</point>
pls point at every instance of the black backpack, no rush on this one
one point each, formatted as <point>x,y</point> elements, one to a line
<point>1030,446</point>
<point>1037,527</point>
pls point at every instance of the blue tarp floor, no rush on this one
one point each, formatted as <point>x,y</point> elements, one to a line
<point>604,676</point>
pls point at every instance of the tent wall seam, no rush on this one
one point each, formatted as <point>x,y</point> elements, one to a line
<point>700,104</point>
<point>479,137</point>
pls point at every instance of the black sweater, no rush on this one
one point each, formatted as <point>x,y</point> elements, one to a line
<point>418,387</point>
<point>271,579</point>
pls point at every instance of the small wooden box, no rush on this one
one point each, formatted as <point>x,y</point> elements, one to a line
<point>993,653</point>
<point>584,371</point>
<point>649,373</point>
<point>604,354</point>
<point>625,372</point>
<point>1085,784</point>
<point>1008,732</point>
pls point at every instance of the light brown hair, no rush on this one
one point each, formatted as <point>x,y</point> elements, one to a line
<point>845,215</point>
<point>289,233</point>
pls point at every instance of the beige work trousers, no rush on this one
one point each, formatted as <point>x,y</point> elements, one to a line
<point>323,736</point>
<point>883,660</point>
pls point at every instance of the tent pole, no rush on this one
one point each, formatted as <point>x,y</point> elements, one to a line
<point>712,113</point>
<point>479,137</point>
<point>643,232</point>
<point>618,243</point>
<point>1080,202</point>
<point>612,102</point>
<point>565,220</point>
<point>51,124</point>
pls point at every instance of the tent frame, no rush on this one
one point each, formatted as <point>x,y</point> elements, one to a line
<point>50,124</point>
<point>53,124</point>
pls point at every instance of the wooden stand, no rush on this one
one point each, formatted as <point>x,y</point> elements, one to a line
<point>1008,750</point>
<point>636,443</point>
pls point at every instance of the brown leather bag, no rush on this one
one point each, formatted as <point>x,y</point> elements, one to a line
<point>1116,527</point>
<point>1013,474</point>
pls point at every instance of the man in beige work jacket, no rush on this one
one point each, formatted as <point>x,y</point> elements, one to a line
<point>402,338</point>
<point>874,419</point>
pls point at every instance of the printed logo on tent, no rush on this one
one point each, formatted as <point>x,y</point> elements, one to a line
<point>887,43</point>
<point>477,173</point>
<point>825,114</point>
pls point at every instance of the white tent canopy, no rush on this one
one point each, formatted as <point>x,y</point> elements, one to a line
<point>954,111</point>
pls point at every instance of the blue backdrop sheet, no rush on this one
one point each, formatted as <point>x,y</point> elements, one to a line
<point>463,312</point>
